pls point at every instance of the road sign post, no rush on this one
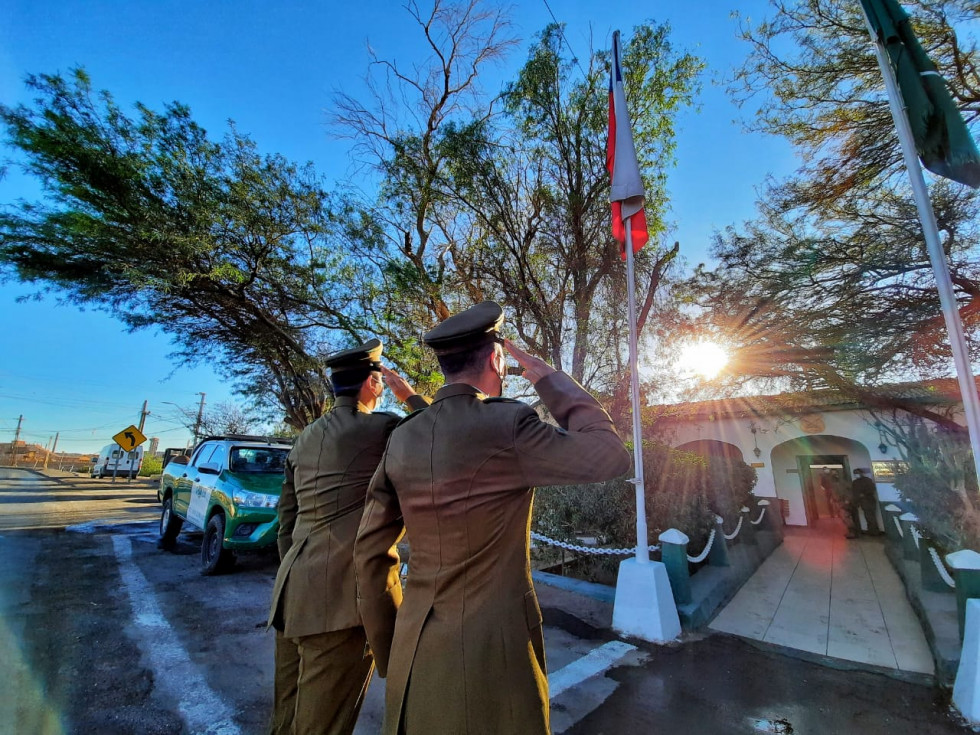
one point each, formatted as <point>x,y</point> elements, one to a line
<point>127,440</point>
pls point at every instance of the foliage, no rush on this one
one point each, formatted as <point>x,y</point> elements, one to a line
<point>511,206</point>
<point>813,73</point>
<point>684,490</point>
<point>534,187</point>
<point>940,484</point>
<point>231,253</point>
<point>606,509</point>
<point>152,466</point>
<point>847,303</point>
<point>831,286</point>
<point>406,233</point>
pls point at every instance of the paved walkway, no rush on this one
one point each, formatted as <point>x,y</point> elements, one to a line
<point>822,593</point>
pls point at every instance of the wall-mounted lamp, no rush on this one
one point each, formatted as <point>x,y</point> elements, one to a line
<point>882,446</point>
<point>755,440</point>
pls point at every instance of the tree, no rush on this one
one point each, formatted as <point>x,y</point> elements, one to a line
<point>535,188</point>
<point>228,418</point>
<point>813,73</point>
<point>940,482</point>
<point>231,253</point>
<point>831,285</point>
<point>407,234</point>
<point>848,304</point>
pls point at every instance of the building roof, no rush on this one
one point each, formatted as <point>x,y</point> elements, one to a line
<point>939,392</point>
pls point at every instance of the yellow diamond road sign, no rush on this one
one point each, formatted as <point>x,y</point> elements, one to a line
<point>129,438</point>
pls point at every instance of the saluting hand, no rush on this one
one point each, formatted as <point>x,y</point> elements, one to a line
<point>398,385</point>
<point>534,368</point>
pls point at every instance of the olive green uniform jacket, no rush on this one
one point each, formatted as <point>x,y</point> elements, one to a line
<point>465,652</point>
<point>326,478</point>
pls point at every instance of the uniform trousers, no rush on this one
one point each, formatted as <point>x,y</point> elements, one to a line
<point>287,674</point>
<point>331,672</point>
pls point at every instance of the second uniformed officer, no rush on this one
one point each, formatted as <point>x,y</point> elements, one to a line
<point>322,667</point>
<point>464,651</point>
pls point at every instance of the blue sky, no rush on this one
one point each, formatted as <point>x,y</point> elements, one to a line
<point>273,68</point>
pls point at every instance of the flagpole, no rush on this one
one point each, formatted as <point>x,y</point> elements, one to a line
<point>947,297</point>
<point>642,544</point>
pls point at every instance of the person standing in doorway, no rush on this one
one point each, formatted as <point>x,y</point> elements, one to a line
<point>323,667</point>
<point>865,497</point>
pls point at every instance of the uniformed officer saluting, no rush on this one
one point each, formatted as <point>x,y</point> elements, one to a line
<point>465,652</point>
<point>322,669</point>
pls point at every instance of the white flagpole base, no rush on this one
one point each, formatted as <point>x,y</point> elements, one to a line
<point>966,690</point>
<point>644,606</point>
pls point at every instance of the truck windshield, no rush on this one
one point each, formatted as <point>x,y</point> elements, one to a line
<point>258,459</point>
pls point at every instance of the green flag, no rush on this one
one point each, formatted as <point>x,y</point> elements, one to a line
<point>942,140</point>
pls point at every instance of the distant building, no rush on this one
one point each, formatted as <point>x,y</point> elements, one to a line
<point>792,437</point>
<point>33,455</point>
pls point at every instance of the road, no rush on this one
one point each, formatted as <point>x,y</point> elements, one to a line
<point>101,632</point>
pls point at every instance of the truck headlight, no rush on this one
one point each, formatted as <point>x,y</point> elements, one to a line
<point>245,499</point>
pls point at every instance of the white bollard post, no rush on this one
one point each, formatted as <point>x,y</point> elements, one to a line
<point>966,690</point>
<point>644,606</point>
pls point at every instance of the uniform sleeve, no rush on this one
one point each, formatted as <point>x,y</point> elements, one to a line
<point>585,449</point>
<point>376,566</point>
<point>417,402</point>
<point>287,510</point>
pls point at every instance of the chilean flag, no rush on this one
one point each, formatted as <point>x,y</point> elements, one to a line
<point>626,190</point>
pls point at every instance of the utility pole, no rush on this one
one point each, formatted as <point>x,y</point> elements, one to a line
<point>13,447</point>
<point>53,448</point>
<point>200,417</point>
<point>143,414</point>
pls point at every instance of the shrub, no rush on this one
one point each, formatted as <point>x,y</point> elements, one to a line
<point>151,466</point>
<point>683,490</point>
<point>941,484</point>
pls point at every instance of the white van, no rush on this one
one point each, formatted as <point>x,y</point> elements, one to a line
<point>114,459</point>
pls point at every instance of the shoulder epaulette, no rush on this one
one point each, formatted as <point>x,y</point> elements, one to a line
<point>499,399</point>
<point>389,414</point>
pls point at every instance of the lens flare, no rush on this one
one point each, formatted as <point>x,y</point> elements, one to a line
<point>706,359</point>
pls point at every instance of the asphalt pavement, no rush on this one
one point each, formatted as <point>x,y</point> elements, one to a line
<point>101,632</point>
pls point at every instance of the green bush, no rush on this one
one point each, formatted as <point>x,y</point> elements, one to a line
<point>941,485</point>
<point>151,466</point>
<point>683,490</point>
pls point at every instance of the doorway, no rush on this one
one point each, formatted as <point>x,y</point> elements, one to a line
<point>822,476</point>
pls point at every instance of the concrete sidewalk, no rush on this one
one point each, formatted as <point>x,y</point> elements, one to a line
<point>827,595</point>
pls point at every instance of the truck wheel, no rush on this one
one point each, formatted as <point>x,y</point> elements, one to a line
<point>169,525</point>
<point>215,559</point>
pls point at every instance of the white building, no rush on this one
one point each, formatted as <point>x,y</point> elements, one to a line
<point>792,437</point>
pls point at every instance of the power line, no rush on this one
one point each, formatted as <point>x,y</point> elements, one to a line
<point>561,32</point>
<point>64,402</point>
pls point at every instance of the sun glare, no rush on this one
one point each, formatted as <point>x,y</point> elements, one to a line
<point>703,358</point>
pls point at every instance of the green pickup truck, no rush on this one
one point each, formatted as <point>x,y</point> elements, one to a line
<point>229,488</point>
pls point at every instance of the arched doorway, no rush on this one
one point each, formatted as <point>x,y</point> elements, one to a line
<point>797,467</point>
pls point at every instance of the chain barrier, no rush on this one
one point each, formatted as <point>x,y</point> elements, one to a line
<point>586,549</point>
<point>758,520</point>
<point>704,554</point>
<point>734,533</point>
<point>941,568</point>
<point>901,533</point>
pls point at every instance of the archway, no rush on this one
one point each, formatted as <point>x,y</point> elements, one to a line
<point>796,465</point>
